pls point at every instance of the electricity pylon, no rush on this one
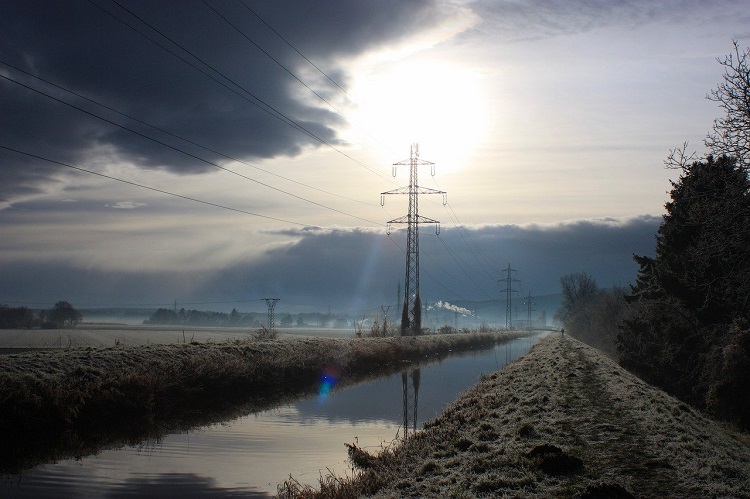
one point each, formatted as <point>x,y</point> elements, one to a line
<point>271,302</point>
<point>411,317</point>
<point>530,308</point>
<point>385,309</point>
<point>509,280</point>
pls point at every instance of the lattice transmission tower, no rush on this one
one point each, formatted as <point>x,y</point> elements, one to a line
<point>271,303</point>
<point>509,281</point>
<point>411,315</point>
<point>529,308</point>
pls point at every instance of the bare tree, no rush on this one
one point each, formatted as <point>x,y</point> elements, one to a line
<point>679,158</point>
<point>731,133</point>
<point>577,289</point>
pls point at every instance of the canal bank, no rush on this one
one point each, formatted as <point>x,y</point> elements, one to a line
<point>72,402</point>
<point>563,421</point>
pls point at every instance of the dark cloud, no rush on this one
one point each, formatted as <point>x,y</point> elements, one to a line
<point>82,47</point>
<point>356,270</point>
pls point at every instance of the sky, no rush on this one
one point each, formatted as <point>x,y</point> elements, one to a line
<point>214,153</point>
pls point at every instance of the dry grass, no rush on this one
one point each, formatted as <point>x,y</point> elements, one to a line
<point>563,421</point>
<point>54,402</point>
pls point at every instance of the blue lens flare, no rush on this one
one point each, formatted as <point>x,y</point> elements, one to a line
<point>328,380</point>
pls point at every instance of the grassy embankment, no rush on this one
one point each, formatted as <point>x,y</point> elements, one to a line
<point>563,421</point>
<point>55,404</point>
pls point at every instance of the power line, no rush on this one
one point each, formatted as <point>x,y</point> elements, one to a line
<point>80,96</point>
<point>433,278</point>
<point>278,63</point>
<point>461,230</point>
<point>450,252</point>
<point>184,152</point>
<point>284,118</point>
<point>154,189</point>
<point>291,73</point>
<point>293,47</point>
<point>259,103</point>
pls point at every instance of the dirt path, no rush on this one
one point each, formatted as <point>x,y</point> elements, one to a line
<point>564,421</point>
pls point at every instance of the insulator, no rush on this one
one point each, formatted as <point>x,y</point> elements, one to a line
<point>382,200</point>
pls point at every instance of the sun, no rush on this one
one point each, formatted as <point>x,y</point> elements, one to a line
<point>440,106</point>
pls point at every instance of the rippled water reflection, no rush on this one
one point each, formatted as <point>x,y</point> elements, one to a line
<point>251,455</point>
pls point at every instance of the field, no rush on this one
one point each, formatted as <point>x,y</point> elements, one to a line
<point>563,421</point>
<point>100,335</point>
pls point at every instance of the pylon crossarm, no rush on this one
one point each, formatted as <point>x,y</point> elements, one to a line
<point>400,190</point>
<point>424,220</point>
<point>427,190</point>
<point>419,162</point>
<point>416,190</point>
<point>419,219</point>
<point>399,220</point>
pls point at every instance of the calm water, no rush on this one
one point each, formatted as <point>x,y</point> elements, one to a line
<point>251,455</point>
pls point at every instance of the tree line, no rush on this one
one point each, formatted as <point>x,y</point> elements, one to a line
<point>166,316</point>
<point>685,323</point>
<point>62,315</point>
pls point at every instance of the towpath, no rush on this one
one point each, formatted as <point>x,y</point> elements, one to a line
<point>564,421</point>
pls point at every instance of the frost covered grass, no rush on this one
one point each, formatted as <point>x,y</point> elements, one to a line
<point>88,397</point>
<point>563,421</point>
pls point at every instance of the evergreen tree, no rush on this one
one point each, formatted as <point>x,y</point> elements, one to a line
<point>692,297</point>
<point>417,310</point>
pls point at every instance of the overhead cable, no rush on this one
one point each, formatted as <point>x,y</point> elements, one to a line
<point>269,172</point>
<point>266,106</point>
<point>185,152</point>
<point>154,189</point>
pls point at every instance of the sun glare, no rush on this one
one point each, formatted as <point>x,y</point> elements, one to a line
<point>440,106</point>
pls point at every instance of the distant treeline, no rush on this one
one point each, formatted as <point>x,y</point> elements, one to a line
<point>203,318</point>
<point>62,315</point>
<point>235,318</point>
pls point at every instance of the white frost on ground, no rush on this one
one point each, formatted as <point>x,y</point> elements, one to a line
<point>563,421</point>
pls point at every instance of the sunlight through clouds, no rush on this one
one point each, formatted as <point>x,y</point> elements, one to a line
<point>442,106</point>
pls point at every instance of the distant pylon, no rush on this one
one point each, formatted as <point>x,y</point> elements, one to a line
<point>411,315</point>
<point>509,280</point>
<point>529,308</point>
<point>271,302</point>
<point>385,309</point>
